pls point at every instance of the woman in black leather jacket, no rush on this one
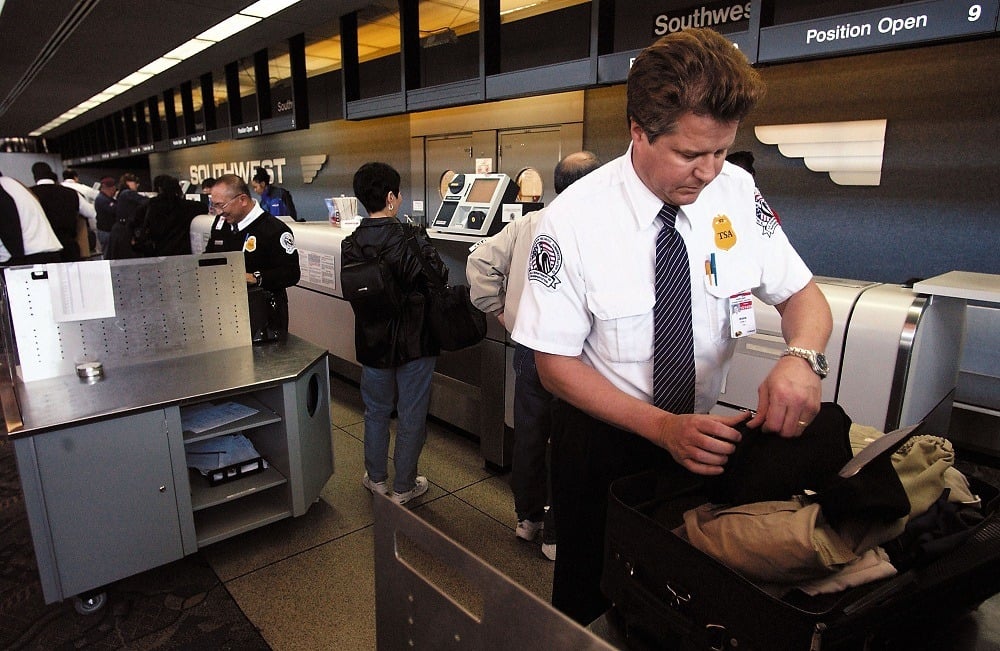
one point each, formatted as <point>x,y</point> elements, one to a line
<point>397,353</point>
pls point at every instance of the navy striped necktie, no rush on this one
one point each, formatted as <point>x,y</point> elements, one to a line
<point>673,335</point>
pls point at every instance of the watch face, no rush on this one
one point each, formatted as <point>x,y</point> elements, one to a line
<point>821,362</point>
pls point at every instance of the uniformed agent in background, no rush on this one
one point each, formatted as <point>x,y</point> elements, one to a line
<point>590,304</point>
<point>273,198</point>
<point>268,245</point>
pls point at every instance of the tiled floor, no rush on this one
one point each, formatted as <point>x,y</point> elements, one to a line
<point>308,582</point>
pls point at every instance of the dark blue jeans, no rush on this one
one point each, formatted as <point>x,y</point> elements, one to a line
<point>412,381</point>
<point>529,475</point>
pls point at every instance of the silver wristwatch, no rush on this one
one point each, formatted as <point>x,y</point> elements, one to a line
<point>816,359</point>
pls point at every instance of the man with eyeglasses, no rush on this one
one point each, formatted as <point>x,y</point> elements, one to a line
<point>268,245</point>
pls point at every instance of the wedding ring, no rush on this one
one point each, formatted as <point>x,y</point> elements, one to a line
<point>803,423</point>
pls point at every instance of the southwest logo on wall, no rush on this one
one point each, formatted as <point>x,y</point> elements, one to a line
<point>850,152</point>
<point>311,165</point>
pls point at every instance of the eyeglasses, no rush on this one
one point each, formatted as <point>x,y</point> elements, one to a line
<point>216,208</point>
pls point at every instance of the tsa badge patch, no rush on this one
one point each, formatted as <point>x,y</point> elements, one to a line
<point>250,245</point>
<point>767,219</point>
<point>288,243</point>
<point>545,261</point>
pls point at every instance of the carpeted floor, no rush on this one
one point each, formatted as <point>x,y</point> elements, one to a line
<point>182,605</point>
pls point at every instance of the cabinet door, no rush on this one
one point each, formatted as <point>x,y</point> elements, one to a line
<point>109,499</point>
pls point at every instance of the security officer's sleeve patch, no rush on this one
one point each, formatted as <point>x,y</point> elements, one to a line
<point>544,262</point>
<point>767,219</point>
<point>288,242</point>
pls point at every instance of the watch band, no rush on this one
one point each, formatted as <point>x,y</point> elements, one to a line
<point>816,359</point>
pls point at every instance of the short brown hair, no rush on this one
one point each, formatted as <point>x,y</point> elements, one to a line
<point>692,71</point>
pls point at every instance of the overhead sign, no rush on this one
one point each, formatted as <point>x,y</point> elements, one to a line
<point>713,14</point>
<point>246,130</point>
<point>877,29</point>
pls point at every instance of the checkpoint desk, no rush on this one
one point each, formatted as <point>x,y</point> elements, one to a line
<point>102,460</point>
<point>102,465</point>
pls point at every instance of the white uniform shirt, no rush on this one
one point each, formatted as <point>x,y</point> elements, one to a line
<point>36,232</point>
<point>498,266</point>
<point>591,274</point>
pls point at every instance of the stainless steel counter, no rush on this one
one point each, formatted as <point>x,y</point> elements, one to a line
<point>68,400</point>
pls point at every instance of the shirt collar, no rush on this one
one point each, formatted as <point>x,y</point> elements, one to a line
<point>646,206</point>
<point>254,213</point>
<point>45,182</point>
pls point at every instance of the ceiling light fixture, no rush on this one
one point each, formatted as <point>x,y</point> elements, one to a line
<point>228,27</point>
<point>236,23</point>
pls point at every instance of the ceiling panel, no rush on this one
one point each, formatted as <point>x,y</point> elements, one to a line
<point>74,49</point>
<point>113,38</point>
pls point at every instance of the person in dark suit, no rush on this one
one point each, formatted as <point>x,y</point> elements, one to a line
<point>130,213</point>
<point>168,219</point>
<point>25,234</point>
<point>61,206</point>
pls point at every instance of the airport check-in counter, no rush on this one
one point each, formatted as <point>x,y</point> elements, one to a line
<point>975,420</point>
<point>893,354</point>
<point>468,386</point>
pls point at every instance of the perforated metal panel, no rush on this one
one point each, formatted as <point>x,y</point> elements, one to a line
<point>164,307</point>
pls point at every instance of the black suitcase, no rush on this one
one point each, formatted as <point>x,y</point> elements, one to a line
<point>670,595</point>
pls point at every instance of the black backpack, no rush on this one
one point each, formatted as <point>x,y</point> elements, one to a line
<point>371,288</point>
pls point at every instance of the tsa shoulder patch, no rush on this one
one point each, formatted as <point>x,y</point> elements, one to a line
<point>767,219</point>
<point>288,242</point>
<point>544,262</point>
<point>250,244</point>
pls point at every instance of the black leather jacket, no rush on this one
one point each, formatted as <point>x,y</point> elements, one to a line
<point>381,343</point>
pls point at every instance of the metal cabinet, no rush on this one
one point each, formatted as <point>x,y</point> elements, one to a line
<point>109,501</point>
<point>110,495</point>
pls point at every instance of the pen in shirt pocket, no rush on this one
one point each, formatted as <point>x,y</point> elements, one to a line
<point>711,271</point>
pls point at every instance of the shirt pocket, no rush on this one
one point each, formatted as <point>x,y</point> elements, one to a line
<point>623,324</point>
<point>735,273</point>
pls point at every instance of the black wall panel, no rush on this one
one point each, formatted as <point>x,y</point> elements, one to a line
<point>938,205</point>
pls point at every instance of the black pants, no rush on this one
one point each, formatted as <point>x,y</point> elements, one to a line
<point>587,455</point>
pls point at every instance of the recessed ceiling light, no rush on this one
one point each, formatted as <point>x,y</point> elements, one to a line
<point>266,8</point>
<point>228,27</point>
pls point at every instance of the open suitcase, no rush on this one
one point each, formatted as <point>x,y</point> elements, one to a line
<point>670,595</point>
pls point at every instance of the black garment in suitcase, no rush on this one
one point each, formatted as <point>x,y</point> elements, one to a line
<point>670,595</point>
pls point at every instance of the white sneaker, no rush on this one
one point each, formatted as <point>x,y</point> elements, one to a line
<point>380,487</point>
<point>549,551</point>
<point>527,529</point>
<point>419,488</point>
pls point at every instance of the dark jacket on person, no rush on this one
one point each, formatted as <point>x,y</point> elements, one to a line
<point>389,342</point>
<point>10,226</point>
<point>268,246</point>
<point>62,207</point>
<point>130,210</point>
<point>269,252</point>
<point>105,208</point>
<point>168,225</point>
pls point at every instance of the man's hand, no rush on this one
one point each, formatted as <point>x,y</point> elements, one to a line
<point>701,443</point>
<point>788,399</point>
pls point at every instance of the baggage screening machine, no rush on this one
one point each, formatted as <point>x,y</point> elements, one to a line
<point>473,202</point>
<point>893,354</point>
